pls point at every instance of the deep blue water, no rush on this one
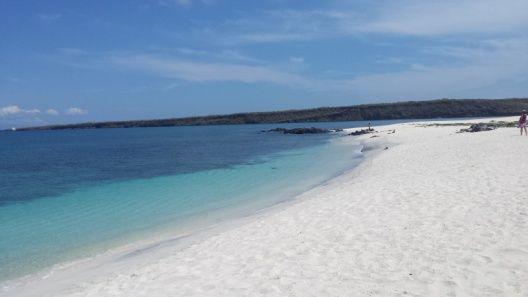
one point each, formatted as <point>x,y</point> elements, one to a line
<point>69,194</point>
<point>46,163</point>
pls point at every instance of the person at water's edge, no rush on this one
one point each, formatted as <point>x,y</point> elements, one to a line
<point>522,123</point>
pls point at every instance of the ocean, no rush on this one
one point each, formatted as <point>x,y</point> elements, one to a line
<point>72,194</point>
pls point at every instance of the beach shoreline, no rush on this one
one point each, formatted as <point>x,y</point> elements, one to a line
<point>88,220</point>
<point>161,241</point>
<point>412,219</point>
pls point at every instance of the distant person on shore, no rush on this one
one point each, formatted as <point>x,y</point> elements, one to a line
<point>522,123</point>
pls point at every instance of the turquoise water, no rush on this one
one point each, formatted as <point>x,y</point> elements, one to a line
<point>80,216</point>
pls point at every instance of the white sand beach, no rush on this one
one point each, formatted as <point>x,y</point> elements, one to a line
<point>436,214</point>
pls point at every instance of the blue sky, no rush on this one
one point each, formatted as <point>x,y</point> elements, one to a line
<point>76,61</point>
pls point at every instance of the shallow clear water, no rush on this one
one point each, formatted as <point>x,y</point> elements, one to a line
<point>71,194</point>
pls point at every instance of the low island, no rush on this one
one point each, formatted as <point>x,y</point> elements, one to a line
<point>444,108</point>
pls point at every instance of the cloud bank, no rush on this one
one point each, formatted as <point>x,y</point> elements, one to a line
<point>408,17</point>
<point>173,67</point>
<point>488,63</point>
<point>15,110</point>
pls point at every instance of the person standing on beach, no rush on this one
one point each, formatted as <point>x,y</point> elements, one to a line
<point>522,123</point>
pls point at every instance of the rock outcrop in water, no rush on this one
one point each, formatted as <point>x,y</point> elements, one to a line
<point>311,130</point>
<point>361,132</point>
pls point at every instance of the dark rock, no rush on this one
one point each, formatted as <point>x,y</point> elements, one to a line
<point>311,130</point>
<point>275,130</point>
<point>367,148</point>
<point>479,128</point>
<point>361,132</point>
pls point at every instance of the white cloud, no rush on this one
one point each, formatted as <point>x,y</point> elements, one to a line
<point>10,110</point>
<point>450,17</point>
<point>468,69</point>
<point>75,111</point>
<point>263,37</point>
<point>490,64</point>
<point>49,17</point>
<point>406,17</point>
<point>190,51</point>
<point>285,25</point>
<point>33,111</point>
<point>69,51</point>
<point>16,110</point>
<point>184,3</point>
<point>52,111</point>
<point>390,60</point>
<point>236,56</point>
<point>475,44</point>
<point>203,72</point>
<point>223,55</point>
<point>296,59</point>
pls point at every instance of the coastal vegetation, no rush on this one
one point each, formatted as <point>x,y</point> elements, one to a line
<point>443,108</point>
